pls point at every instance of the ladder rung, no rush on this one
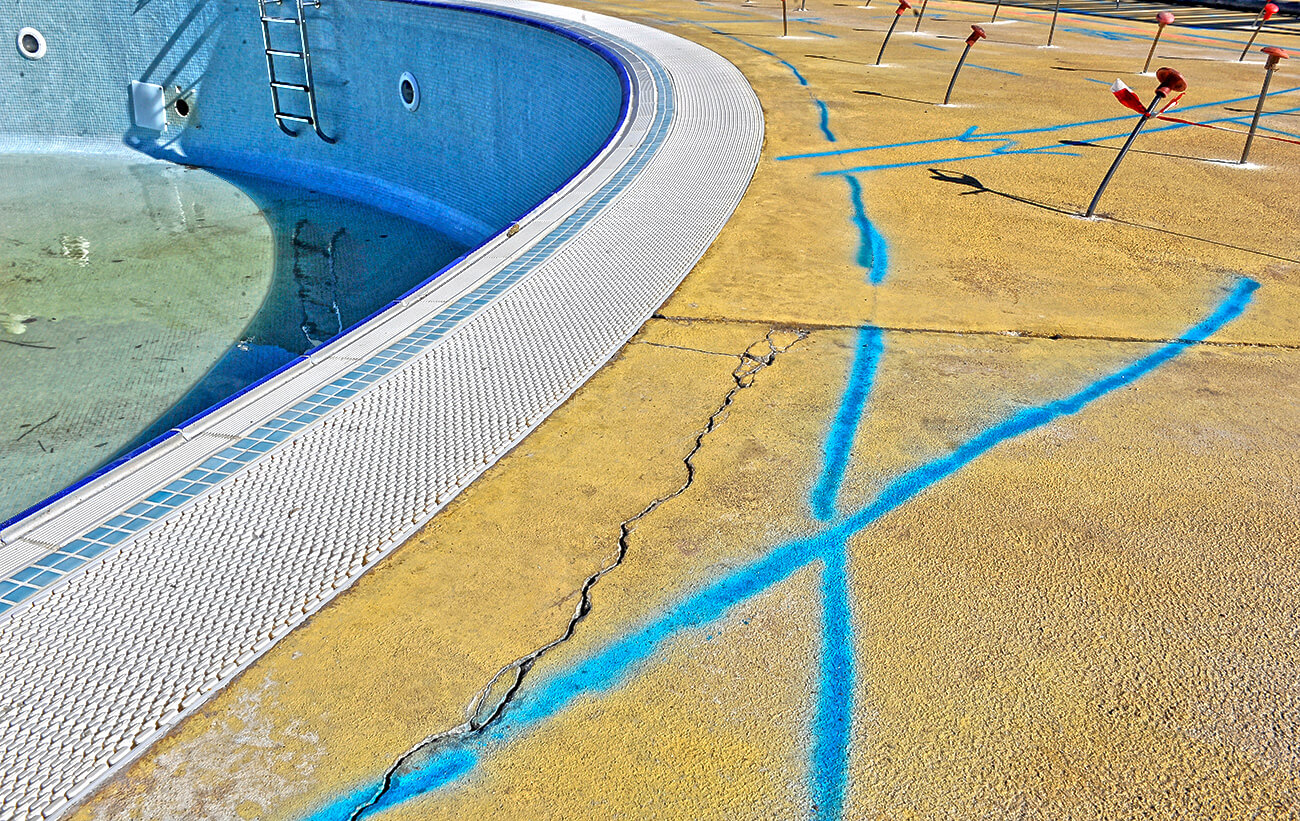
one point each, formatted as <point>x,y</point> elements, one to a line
<point>293,118</point>
<point>294,86</point>
<point>275,52</point>
<point>293,20</point>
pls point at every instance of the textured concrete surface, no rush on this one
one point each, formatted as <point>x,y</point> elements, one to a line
<point>1023,608</point>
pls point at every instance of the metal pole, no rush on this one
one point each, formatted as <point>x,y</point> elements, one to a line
<point>977,34</point>
<point>1163,19</point>
<point>1147,65</point>
<point>1052,31</point>
<point>1265,14</point>
<point>1250,42</point>
<point>996,7</point>
<point>785,26</point>
<point>919,17</point>
<point>1274,55</point>
<point>1170,80</point>
<point>948,95</point>
<point>1092,207</point>
<point>903,6</point>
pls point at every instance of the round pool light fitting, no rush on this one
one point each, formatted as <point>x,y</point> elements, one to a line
<point>31,43</point>
<point>409,88</point>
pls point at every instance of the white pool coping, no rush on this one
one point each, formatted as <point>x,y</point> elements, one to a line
<point>199,554</point>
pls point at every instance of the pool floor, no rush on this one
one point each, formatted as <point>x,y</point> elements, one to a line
<point>134,294</point>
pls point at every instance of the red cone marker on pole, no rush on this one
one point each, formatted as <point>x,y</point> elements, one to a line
<point>976,34</point>
<point>1163,19</point>
<point>1275,56</point>
<point>1170,80</point>
<point>1265,14</point>
<point>903,6</point>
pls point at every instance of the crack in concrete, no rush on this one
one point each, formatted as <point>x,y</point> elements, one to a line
<point>810,327</point>
<point>484,709</point>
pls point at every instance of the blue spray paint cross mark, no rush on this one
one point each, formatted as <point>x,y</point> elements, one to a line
<point>609,666</point>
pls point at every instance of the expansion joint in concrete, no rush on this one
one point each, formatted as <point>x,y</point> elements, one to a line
<point>492,700</point>
<point>813,327</point>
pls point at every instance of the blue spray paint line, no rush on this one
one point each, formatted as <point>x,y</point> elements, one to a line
<point>772,54</point>
<point>795,71</point>
<point>844,429</point>
<point>1044,149</point>
<point>833,722</point>
<point>742,42</point>
<point>1176,126</point>
<point>872,254</point>
<point>848,172</point>
<point>823,34</point>
<point>910,484</point>
<point>1276,131</point>
<point>927,45</point>
<point>613,664</point>
<point>1095,80</point>
<point>998,70</point>
<point>825,122</point>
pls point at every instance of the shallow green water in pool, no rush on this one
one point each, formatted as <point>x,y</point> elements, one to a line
<point>135,294</point>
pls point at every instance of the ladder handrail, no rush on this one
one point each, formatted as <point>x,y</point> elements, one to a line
<point>308,86</point>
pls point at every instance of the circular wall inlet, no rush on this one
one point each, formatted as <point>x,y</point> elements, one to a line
<point>31,43</point>
<point>410,91</point>
<point>181,105</point>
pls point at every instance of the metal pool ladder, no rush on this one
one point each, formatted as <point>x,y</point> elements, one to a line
<point>307,87</point>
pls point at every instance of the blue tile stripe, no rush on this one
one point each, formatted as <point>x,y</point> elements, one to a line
<point>51,568</point>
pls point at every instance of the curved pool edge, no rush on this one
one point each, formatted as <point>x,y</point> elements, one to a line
<point>183,582</point>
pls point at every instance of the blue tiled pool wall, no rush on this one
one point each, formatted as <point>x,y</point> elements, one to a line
<point>79,89</point>
<point>508,111</point>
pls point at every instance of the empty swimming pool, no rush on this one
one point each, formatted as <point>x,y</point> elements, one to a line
<point>585,163</point>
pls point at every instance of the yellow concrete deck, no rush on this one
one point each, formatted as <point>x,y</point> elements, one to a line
<point>1092,617</point>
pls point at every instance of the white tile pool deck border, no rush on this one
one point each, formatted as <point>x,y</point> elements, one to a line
<point>170,575</point>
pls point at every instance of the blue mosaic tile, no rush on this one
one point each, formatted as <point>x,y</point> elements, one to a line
<point>25,574</point>
<point>42,579</point>
<point>92,550</point>
<point>17,594</point>
<point>70,563</point>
